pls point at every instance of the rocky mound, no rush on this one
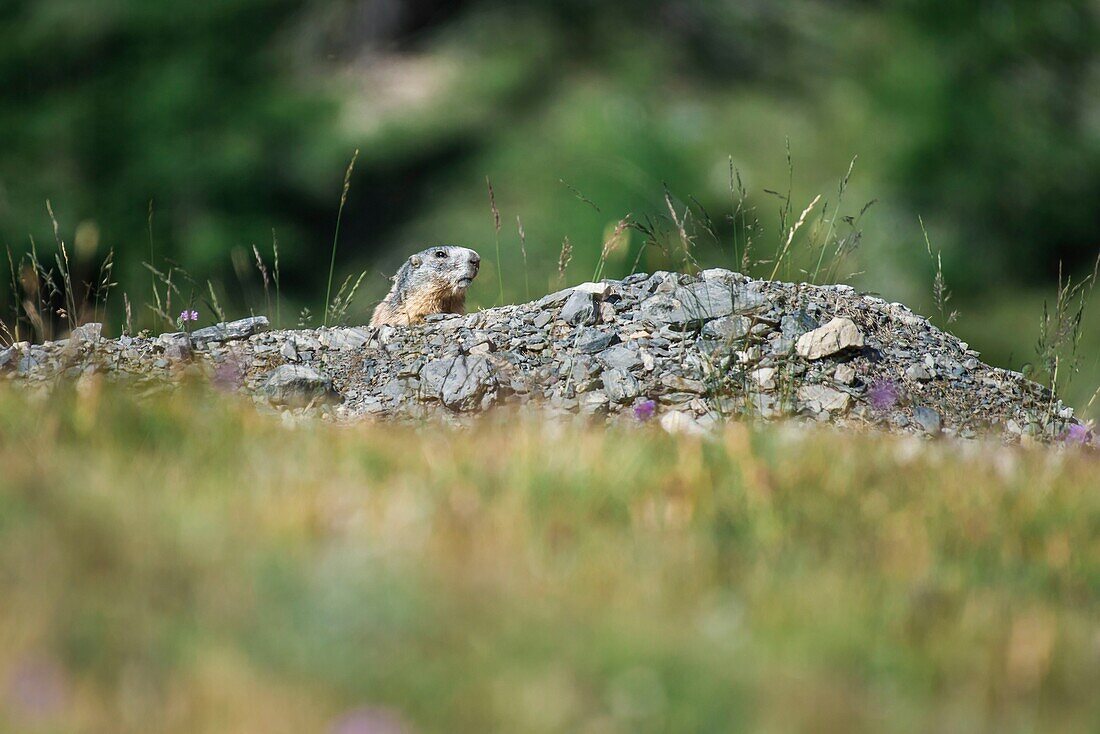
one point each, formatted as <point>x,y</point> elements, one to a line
<point>687,350</point>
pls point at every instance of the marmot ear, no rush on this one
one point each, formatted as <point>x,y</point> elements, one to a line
<point>415,261</point>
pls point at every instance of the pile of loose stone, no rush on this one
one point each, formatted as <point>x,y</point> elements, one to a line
<point>687,350</point>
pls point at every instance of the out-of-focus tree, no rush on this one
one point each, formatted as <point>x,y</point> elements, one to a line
<point>1000,104</point>
<point>194,106</point>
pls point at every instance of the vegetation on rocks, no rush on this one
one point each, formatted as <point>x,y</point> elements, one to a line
<point>707,348</point>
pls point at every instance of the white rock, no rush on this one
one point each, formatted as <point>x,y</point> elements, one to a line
<point>845,373</point>
<point>835,336</point>
<point>820,397</point>
<point>681,424</point>
<point>764,377</point>
<point>596,289</point>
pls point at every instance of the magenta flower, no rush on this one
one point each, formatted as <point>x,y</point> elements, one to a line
<point>644,410</point>
<point>883,394</point>
<point>37,688</point>
<point>369,720</point>
<point>186,315</point>
<point>1077,434</point>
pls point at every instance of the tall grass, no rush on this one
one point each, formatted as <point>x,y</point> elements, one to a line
<point>336,235</point>
<point>815,244</point>
<point>496,239</point>
<point>187,561</point>
<point>1060,330</point>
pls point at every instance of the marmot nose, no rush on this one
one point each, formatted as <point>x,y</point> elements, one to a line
<point>475,260</point>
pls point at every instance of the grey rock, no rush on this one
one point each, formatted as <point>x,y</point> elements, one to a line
<point>928,419</point>
<point>590,341</point>
<point>554,299</point>
<point>824,399</point>
<point>343,338</point>
<point>764,377</point>
<point>679,333</point>
<point>461,382</point>
<point>178,351</point>
<point>229,331</point>
<point>694,304</point>
<point>683,384</point>
<point>90,332</point>
<point>728,327</point>
<point>620,358</point>
<point>27,363</point>
<point>917,373</point>
<point>298,386</point>
<point>620,386</point>
<point>607,312</point>
<point>593,403</point>
<point>579,308</point>
<point>794,325</point>
<point>845,374</point>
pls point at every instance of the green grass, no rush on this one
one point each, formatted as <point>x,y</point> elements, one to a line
<point>186,564</point>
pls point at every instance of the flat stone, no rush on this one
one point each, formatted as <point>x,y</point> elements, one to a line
<point>579,308</point>
<point>229,331</point>
<point>459,382</point>
<point>764,377</point>
<point>928,419</point>
<point>598,290</point>
<point>620,386</point>
<point>590,341</point>
<point>728,327</point>
<point>681,424</point>
<point>349,338</point>
<point>619,357</point>
<point>593,403</point>
<point>683,384</point>
<point>554,299</point>
<point>823,398</point>
<point>698,303</point>
<point>298,386</point>
<point>845,374</point>
<point>90,332</point>
<point>918,373</point>
<point>794,325</point>
<point>836,336</point>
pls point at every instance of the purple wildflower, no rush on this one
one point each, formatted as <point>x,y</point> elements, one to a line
<point>1077,434</point>
<point>644,410</point>
<point>186,315</point>
<point>883,394</point>
<point>38,687</point>
<point>369,720</point>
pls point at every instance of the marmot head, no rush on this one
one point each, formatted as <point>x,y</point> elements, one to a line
<point>445,268</point>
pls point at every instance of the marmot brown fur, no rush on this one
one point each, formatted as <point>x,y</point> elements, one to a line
<point>431,281</point>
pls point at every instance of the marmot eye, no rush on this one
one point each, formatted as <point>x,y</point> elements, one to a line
<point>441,253</point>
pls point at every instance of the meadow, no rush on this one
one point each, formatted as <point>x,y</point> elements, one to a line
<point>185,563</point>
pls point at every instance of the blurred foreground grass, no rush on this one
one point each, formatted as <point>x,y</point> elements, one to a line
<point>185,564</point>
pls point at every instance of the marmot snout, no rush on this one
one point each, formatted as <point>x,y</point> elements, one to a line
<point>431,281</point>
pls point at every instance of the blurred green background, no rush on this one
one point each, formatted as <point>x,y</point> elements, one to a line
<point>187,133</point>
